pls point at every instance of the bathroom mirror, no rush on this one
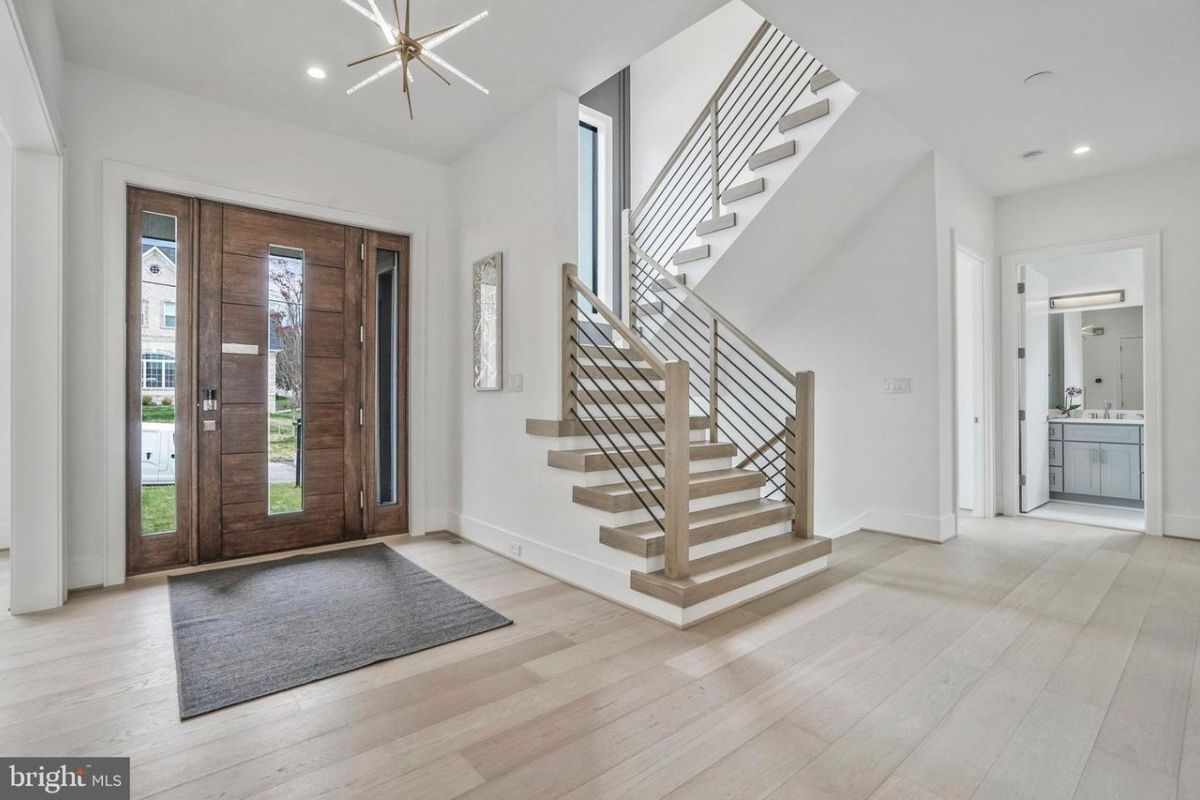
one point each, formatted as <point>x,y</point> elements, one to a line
<point>1099,352</point>
<point>487,279</point>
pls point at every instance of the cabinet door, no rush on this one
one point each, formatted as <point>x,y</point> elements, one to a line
<point>1081,468</point>
<point>1056,479</point>
<point>1121,471</point>
<point>1055,449</point>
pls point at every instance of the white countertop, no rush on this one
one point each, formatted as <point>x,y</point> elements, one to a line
<point>1101,421</point>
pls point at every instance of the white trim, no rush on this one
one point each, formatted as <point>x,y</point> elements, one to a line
<point>118,175</point>
<point>604,233</point>
<point>985,469</point>
<point>1150,244</point>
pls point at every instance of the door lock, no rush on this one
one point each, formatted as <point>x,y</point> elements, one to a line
<point>209,402</point>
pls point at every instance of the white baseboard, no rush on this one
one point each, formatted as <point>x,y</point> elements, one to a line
<point>897,523</point>
<point>1182,526</point>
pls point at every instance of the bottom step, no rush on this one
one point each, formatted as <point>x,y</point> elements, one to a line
<point>723,572</point>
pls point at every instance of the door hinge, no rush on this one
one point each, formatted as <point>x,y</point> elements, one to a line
<point>362,252</point>
<point>362,334</point>
<point>1020,416</point>
<point>360,416</point>
<point>1020,352</point>
<point>361,500</point>
<point>1021,287</point>
<point>1022,480</point>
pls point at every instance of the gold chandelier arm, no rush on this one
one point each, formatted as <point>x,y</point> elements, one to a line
<point>380,54</point>
<point>431,69</point>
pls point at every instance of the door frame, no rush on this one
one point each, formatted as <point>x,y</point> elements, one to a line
<point>117,176</point>
<point>1150,243</point>
<point>985,385</point>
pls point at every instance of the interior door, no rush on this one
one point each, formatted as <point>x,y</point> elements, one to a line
<point>1035,391</point>
<point>160,255</point>
<point>1132,377</point>
<point>279,382</point>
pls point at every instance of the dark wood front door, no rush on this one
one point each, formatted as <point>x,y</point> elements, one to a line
<point>268,382</point>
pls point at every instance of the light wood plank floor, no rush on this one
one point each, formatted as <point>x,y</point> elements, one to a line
<point>1026,659</point>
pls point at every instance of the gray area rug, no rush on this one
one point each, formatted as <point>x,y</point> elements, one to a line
<point>248,631</point>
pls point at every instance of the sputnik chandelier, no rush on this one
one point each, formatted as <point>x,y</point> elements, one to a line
<point>407,48</point>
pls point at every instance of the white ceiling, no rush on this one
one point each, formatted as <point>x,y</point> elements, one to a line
<point>1098,272</point>
<point>1127,76</point>
<point>253,54</point>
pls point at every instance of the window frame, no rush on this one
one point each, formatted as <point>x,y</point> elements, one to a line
<point>605,265</point>
<point>174,316</point>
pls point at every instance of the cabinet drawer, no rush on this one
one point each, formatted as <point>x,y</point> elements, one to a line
<point>1056,430</point>
<point>1056,479</point>
<point>1118,434</point>
<point>1055,452</point>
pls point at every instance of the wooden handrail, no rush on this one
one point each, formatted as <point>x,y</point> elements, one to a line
<point>787,375</point>
<point>704,115</point>
<point>635,343</point>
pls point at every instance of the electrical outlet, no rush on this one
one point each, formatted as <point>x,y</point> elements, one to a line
<point>897,385</point>
<point>515,549</point>
<point>514,382</point>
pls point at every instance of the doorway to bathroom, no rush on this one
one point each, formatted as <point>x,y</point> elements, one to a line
<point>1081,428</point>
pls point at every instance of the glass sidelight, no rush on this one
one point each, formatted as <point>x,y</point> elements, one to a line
<point>159,255</point>
<point>285,380</point>
<point>386,402</point>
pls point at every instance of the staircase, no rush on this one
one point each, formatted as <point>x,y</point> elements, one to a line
<point>692,444</point>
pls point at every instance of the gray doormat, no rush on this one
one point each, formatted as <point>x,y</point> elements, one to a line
<point>249,631</point>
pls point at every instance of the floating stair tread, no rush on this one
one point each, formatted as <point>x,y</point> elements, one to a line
<point>647,539</point>
<point>573,427</point>
<point>593,459</point>
<point>618,355</point>
<point>772,154</point>
<point>712,576</point>
<point>804,116</point>
<point>822,79</point>
<point>744,190</point>
<point>655,307</point>
<point>690,254</point>
<point>721,223</point>
<point>667,285</point>
<point>615,497</point>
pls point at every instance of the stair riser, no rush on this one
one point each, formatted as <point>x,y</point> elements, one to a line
<point>580,442</point>
<point>696,504</point>
<point>703,531</point>
<point>609,476</point>
<point>703,610</point>
<point>725,543</point>
<point>628,502</point>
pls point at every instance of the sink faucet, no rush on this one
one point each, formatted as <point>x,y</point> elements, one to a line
<point>1107,409</point>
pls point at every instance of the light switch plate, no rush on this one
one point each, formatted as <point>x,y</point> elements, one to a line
<point>514,548</point>
<point>514,382</point>
<point>897,385</point>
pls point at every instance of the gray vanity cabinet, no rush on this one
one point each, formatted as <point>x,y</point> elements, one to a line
<point>1121,471</point>
<point>1097,460</point>
<point>1081,468</point>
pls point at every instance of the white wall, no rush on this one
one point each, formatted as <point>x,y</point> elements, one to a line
<point>6,249</point>
<point>1159,197</point>
<point>867,313</point>
<point>112,118</point>
<point>669,86</point>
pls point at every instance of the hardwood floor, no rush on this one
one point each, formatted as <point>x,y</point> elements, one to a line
<point>1025,659</point>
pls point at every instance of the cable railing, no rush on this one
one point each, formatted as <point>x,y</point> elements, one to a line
<point>766,81</point>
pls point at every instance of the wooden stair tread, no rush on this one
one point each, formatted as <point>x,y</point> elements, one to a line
<point>616,497</point>
<point>572,427</point>
<point>647,539</point>
<point>690,254</point>
<point>590,394</point>
<point>822,79</point>
<point>618,355</point>
<point>804,115</point>
<point>723,572</point>
<point>772,154</point>
<point>719,224</point>
<point>744,190</point>
<point>593,459</point>
<point>667,285</point>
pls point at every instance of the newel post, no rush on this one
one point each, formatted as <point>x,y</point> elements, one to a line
<point>676,468</point>
<point>567,314</point>
<point>803,455</point>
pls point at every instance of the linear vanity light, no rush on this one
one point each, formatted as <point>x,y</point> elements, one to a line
<point>1088,299</point>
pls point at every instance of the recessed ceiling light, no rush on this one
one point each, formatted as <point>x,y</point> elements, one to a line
<point>1032,154</point>
<point>316,72</point>
<point>1083,149</point>
<point>1039,78</point>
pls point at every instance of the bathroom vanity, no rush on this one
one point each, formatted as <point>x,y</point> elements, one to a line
<point>1098,461</point>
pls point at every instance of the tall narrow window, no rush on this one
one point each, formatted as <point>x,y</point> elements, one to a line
<point>159,233</point>
<point>589,205</point>
<point>285,380</point>
<point>386,286</point>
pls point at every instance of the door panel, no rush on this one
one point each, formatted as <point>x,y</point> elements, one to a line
<point>1121,471</point>
<point>1035,397</point>
<point>1081,468</point>
<point>160,241</point>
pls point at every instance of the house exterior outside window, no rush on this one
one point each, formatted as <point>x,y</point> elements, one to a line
<point>159,320</point>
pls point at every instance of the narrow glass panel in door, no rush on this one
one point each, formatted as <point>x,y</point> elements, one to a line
<point>159,321</point>
<point>285,380</point>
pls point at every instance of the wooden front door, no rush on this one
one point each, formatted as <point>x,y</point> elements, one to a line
<point>268,382</point>
<point>279,382</point>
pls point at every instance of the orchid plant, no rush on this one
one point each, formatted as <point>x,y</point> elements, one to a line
<point>1069,404</point>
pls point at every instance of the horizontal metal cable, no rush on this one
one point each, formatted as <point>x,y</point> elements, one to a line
<point>631,447</point>
<point>624,480</point>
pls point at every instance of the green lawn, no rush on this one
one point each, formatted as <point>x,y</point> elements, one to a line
<point>158,413</point>
<point>281,436</point>
<point>158,509</point>
<point>285,497</point>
